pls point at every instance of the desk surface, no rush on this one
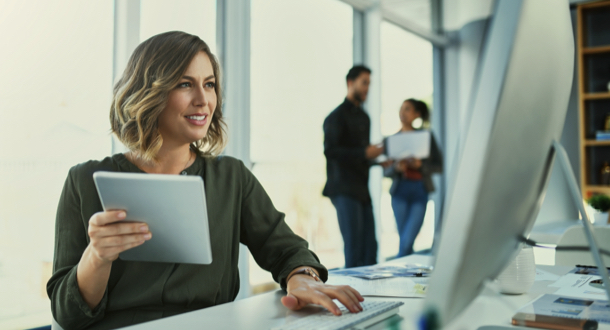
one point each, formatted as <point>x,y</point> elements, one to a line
<point>265,311</point>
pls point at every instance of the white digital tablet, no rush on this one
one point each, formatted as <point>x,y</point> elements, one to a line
<point>174,208</point>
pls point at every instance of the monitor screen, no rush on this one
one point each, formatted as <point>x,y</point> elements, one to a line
<point>518,109</point>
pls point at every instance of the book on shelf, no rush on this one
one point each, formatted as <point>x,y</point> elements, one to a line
<point>602,135</point>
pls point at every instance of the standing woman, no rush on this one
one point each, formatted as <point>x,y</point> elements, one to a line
<point>167,110</point>
<point>412,179</point>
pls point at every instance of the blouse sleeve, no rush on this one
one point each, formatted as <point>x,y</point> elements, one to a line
<point>272,243</point>
<point>67,305</point>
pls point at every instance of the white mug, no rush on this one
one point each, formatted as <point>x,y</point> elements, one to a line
<point>519,275</point>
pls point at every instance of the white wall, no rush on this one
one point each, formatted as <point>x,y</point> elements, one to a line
<point>457,13</point>
<point>558,204</point>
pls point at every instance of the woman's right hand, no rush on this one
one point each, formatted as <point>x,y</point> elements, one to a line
<point>110,236</point>
<point>401,166</point>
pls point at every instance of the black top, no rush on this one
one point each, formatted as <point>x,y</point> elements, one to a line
<point>346,136</point>
<point>239,211</point>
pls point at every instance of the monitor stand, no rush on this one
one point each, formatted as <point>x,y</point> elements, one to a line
<point>562,156</point>
<point>578,200</point>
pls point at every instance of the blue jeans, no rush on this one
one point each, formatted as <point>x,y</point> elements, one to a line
<point>357,226</point>
<point>409,204</point>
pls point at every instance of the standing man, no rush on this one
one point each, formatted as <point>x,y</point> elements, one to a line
<point>348,157</point>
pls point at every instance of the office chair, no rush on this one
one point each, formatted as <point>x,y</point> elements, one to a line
<point>575,236</point>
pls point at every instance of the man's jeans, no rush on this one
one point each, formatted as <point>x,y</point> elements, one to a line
<point>357,226</point>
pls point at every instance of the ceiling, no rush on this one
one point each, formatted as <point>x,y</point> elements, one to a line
<point>411,14</point>
<point>417,12</point>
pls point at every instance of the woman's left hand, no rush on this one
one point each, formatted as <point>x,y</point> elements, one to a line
<point>387,163</point>
<point>303,290</point>
<point>414,163</point>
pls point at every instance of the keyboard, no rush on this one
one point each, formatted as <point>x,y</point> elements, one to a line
<point>372,313</point>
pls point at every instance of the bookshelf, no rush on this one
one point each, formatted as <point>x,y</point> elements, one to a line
<point>593,55</point>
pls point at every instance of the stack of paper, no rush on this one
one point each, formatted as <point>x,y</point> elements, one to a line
<point>581,283</point>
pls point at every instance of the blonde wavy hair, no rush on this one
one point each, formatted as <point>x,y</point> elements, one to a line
<point>154,69</point>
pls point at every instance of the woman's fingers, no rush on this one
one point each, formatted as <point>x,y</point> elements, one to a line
<point>301,297</point>
<point>353,294</point>
<point>111,253</point>
<point>120,240</point>
<point>116,229</point>
<point>356,296</point>
<point>325,301</point>
<point>106,217</point>
<point>109,248</point>
<point>109,236</point>
<point>345,296</point>
<point>104,224</point>
<point>291,302</point>
<point>323,295</point>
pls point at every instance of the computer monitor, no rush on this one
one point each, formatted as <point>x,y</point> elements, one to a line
<point>519,105</point>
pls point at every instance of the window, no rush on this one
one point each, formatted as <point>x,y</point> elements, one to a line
<point>406,72</point>
<point>297,79</point>
<point>56,82</point>
<point>196,17</point>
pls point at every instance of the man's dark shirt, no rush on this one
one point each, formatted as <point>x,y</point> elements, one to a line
<point>346,136</point>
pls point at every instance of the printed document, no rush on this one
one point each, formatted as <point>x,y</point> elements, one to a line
<point>542,275</point>
<point>408,287</point>
<point>580,285</point>
<point>408,144</point>
<point>385,271</point>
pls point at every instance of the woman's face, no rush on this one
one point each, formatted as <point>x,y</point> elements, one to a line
<point>190,105</point>
<point>408,113</point>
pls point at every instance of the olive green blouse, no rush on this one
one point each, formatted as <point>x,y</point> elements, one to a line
<point>239,210</point>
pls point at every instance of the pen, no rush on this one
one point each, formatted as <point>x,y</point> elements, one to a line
<point>584,266</point>
<point>552,322</point>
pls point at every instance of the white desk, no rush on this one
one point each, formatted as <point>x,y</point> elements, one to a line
<point>265,311</point>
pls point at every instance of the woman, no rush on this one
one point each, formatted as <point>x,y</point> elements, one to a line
<point>412,179</point>
<point>167,110</point>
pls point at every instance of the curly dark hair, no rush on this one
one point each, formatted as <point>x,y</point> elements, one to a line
<point>421,108</point>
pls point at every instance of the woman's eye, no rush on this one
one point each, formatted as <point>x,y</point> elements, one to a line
<point>184,85</point>
<point>210,84</point>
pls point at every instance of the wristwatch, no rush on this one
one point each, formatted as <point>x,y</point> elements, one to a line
<point>305,271</point>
